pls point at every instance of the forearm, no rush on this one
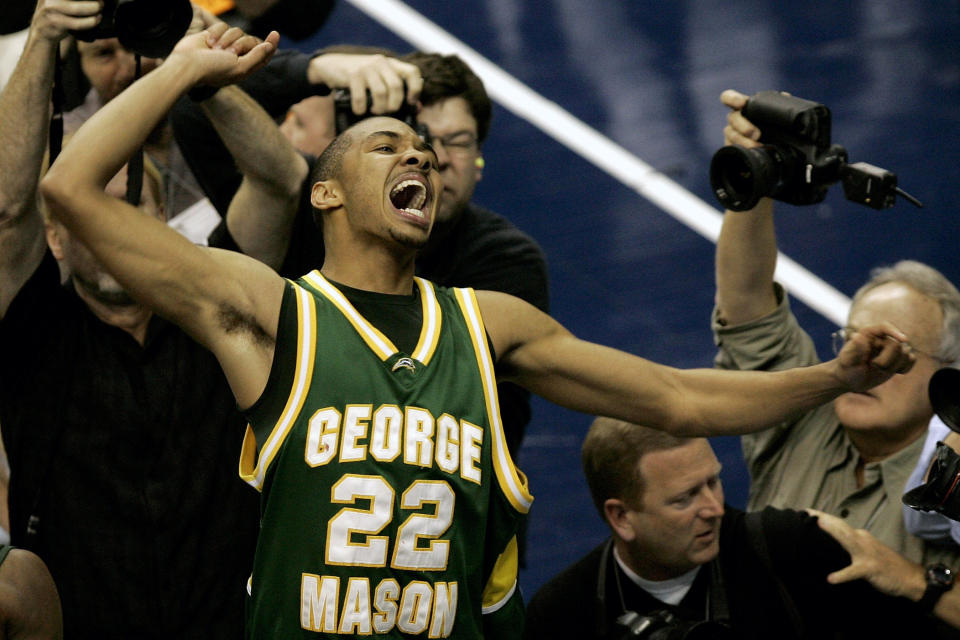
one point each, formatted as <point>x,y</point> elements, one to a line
<point>24,120</point>
<point>260,215</point>
<point>259,149</point>
<point>746,257</point>
<point>696,402</point>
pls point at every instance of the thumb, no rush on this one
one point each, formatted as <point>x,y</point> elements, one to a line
<point>846,574</point>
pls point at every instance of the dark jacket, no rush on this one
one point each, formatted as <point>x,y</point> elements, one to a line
<point>791,599</point>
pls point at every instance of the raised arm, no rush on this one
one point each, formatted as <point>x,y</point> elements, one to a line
<point>747,247</point>
<point>260,215</point>
<point>24,124</point>
<point>226,301</point>
<point>538,353</point>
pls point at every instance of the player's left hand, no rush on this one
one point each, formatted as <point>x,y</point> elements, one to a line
<point>224,55</point>
<point>872,355</point>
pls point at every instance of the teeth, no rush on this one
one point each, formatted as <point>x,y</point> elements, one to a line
<point>417,201</point>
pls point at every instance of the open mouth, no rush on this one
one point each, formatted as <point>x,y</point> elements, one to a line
<point>409,196</point>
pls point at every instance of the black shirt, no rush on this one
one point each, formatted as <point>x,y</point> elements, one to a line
<point>800,556</point>
<point>127,455</point>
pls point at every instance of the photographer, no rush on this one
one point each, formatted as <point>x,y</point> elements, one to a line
<point>120,429</point>
<point>677,551</point>
<point>851,457</point>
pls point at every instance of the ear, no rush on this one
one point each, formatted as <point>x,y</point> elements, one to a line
<point>54,234</point>
<point>478,165</point>
<point>326,195</point>
<point>616,513</point>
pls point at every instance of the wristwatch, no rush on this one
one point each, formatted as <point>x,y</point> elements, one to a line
<point>939,581</point>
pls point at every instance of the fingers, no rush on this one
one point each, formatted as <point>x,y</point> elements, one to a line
<point>848,573</point>
<point>202,19</point>
<point>837,528</point>
<point>733,99</point>
<point>215,32</point>
<point>222,36</point>
<point>884,347</point>
<point>389,81</point>
<point>55,18</point>
<point>258,55</point>
<point>739,130</point>
<point>845,535</point>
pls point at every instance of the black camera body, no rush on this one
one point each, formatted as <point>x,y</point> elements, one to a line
<point>664,625</point>
<point>797,163</point>
<point>941,491</point>
<point>150,28</point>
<point>344,117</point>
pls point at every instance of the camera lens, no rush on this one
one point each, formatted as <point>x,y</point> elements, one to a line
<point>152,27</point>
<point>944,392</point>
<point>740,176</point>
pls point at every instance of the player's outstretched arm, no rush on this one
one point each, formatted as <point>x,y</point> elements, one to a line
<point>226,301</point>
<point>538,353</point>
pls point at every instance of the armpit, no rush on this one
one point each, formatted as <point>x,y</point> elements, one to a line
<point>232,320</point>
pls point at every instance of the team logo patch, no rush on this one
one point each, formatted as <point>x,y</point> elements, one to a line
<point>404,363</point>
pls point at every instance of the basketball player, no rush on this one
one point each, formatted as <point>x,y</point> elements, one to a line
<point>389,500</point>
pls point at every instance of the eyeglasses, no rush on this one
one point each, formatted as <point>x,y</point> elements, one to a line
<point>841,336</point>
<point>462,143</point>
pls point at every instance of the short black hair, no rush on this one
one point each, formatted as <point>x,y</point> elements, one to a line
<point>329,165</point>
<point>450,77</point>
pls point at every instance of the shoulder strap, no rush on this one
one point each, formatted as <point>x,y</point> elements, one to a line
<point>754,524</point>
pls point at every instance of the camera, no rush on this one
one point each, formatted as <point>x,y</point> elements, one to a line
<point>941,492</point>
<point>344,117</point>
<point>150,28</point>
<point>797,163</point>
<point>665,625</point>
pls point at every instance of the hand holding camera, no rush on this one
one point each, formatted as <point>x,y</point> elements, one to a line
<point>53,19</point>
<point>376,84</point>
<point>779,147</point>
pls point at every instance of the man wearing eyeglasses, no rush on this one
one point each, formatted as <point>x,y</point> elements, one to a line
<point>852,457</point>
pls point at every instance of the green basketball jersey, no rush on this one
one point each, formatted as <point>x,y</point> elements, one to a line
<point>389,502</point>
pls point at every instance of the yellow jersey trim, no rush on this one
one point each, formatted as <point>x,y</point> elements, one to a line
<point>512,482</point>
<point>306,352</point>
<point>502,581</point>
<point>376,341</point>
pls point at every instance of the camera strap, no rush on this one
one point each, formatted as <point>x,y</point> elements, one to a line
<point>56,119</point>
<point>135,166</point>
<point>55,142</point>
<point>600,614</point>
<point>718,607</point>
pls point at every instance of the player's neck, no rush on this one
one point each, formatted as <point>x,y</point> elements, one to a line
<point>378,271</point>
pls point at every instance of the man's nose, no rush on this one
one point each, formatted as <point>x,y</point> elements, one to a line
<point>418,158</point>
<point>443,158</point>
<point>126,66</point>
<point>711,504</point>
